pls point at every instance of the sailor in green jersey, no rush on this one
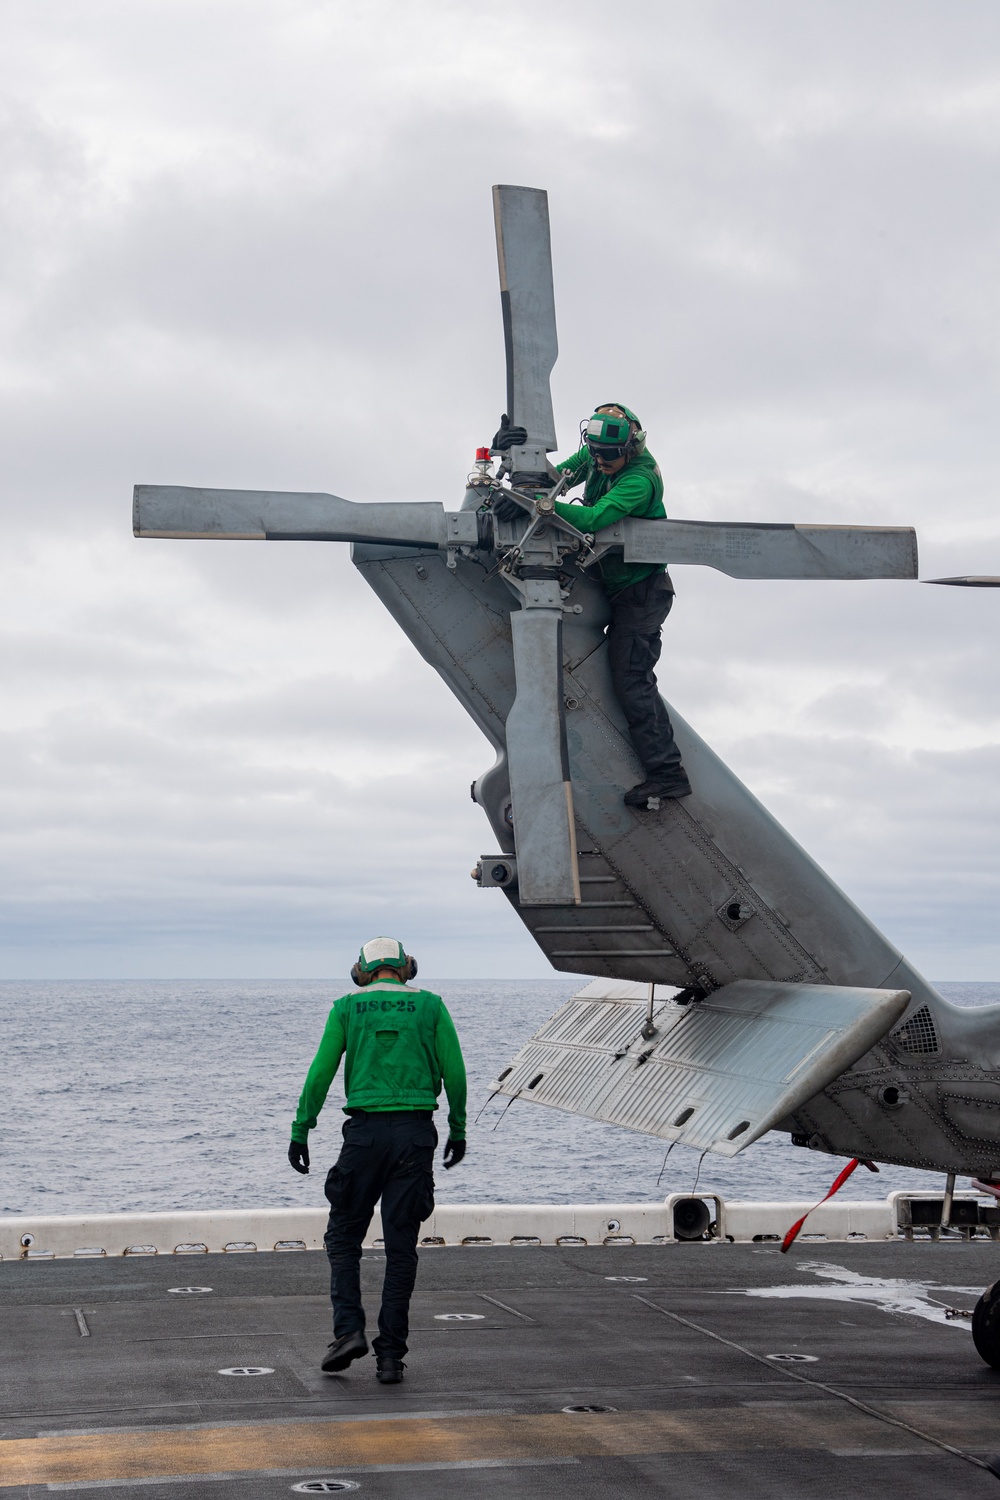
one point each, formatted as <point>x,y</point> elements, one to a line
<point>399,1044</point>
<point>620,478</point>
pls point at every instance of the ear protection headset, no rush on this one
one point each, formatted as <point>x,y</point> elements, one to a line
<point>406,973</point>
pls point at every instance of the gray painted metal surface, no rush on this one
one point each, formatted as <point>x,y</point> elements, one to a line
<point>717,1074</point>
<point>176,511</point>
<point>524,256</point>
<point>657,888</point>
<point>681,866</point>
<point>775,551</point>
<point>541,792</point>
<point>973,581</point>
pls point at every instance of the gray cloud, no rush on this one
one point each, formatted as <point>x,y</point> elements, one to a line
<point>251,244</point>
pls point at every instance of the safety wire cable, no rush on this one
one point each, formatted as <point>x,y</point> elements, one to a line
<point>871,1411</point>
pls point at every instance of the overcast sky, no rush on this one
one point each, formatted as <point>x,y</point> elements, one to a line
<point>250,243</point>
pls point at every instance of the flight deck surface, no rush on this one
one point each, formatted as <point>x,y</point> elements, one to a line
<point>111,1379</point>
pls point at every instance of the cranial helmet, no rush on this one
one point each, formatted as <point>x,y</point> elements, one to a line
<point>382,953</point>
<point>613,432</point>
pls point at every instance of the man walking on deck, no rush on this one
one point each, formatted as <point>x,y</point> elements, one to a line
<point>399,1045</point>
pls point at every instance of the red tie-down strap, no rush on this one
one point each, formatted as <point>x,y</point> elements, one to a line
<point>839,1181</point>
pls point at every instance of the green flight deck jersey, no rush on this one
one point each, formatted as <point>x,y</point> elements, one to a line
<point>636,490</point>
<point>399,1044</point>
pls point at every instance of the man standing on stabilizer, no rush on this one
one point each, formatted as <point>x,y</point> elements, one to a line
<point>620,478</point>
<point>399,1044</point>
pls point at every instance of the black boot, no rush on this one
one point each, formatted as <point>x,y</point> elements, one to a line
<point>340,1353</point>
<point>657,789</point>
<point>388,1371</point>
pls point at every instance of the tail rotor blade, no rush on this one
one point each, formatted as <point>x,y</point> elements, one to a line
<point>160,510</point>
<point>537,760</point>
<point>782,550</point>
<point>524,252</point>
<point>974,581</point>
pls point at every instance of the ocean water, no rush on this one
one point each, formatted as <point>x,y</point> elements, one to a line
<point>167,1095</point>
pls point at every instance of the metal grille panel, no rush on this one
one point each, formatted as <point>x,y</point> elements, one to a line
<point>917,1035</point>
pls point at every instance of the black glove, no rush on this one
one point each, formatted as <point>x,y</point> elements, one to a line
<point>298,1155</point>
<point>506,509</point>
<point>508,436</point>
<point>453,1153</point>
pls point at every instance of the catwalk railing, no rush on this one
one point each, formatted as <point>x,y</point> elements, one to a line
<point>243,1231</point>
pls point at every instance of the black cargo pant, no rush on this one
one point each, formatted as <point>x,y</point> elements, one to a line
<point>637,614</point>
<point>389,1156</point>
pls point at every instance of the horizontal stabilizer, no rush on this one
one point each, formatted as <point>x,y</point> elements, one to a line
<point>717,1074</point>
<point>774,551</point>
<point>165,510</point>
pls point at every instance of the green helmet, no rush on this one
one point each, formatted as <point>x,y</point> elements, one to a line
<point>608,435</point>
<point>382,953</point>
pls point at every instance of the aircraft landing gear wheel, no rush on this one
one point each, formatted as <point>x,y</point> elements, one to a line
<point>986,1325</point>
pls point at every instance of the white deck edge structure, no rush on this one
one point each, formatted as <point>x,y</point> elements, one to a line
<point>236,1231</point>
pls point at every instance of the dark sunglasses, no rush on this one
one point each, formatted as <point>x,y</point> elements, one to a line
<point>610,454</point>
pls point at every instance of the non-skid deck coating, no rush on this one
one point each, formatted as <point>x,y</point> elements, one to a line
<point>111,1381</point>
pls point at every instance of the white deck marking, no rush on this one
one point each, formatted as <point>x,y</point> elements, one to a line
<point>916,1299</point>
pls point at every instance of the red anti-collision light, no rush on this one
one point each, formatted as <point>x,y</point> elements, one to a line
<point>482,455</point>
